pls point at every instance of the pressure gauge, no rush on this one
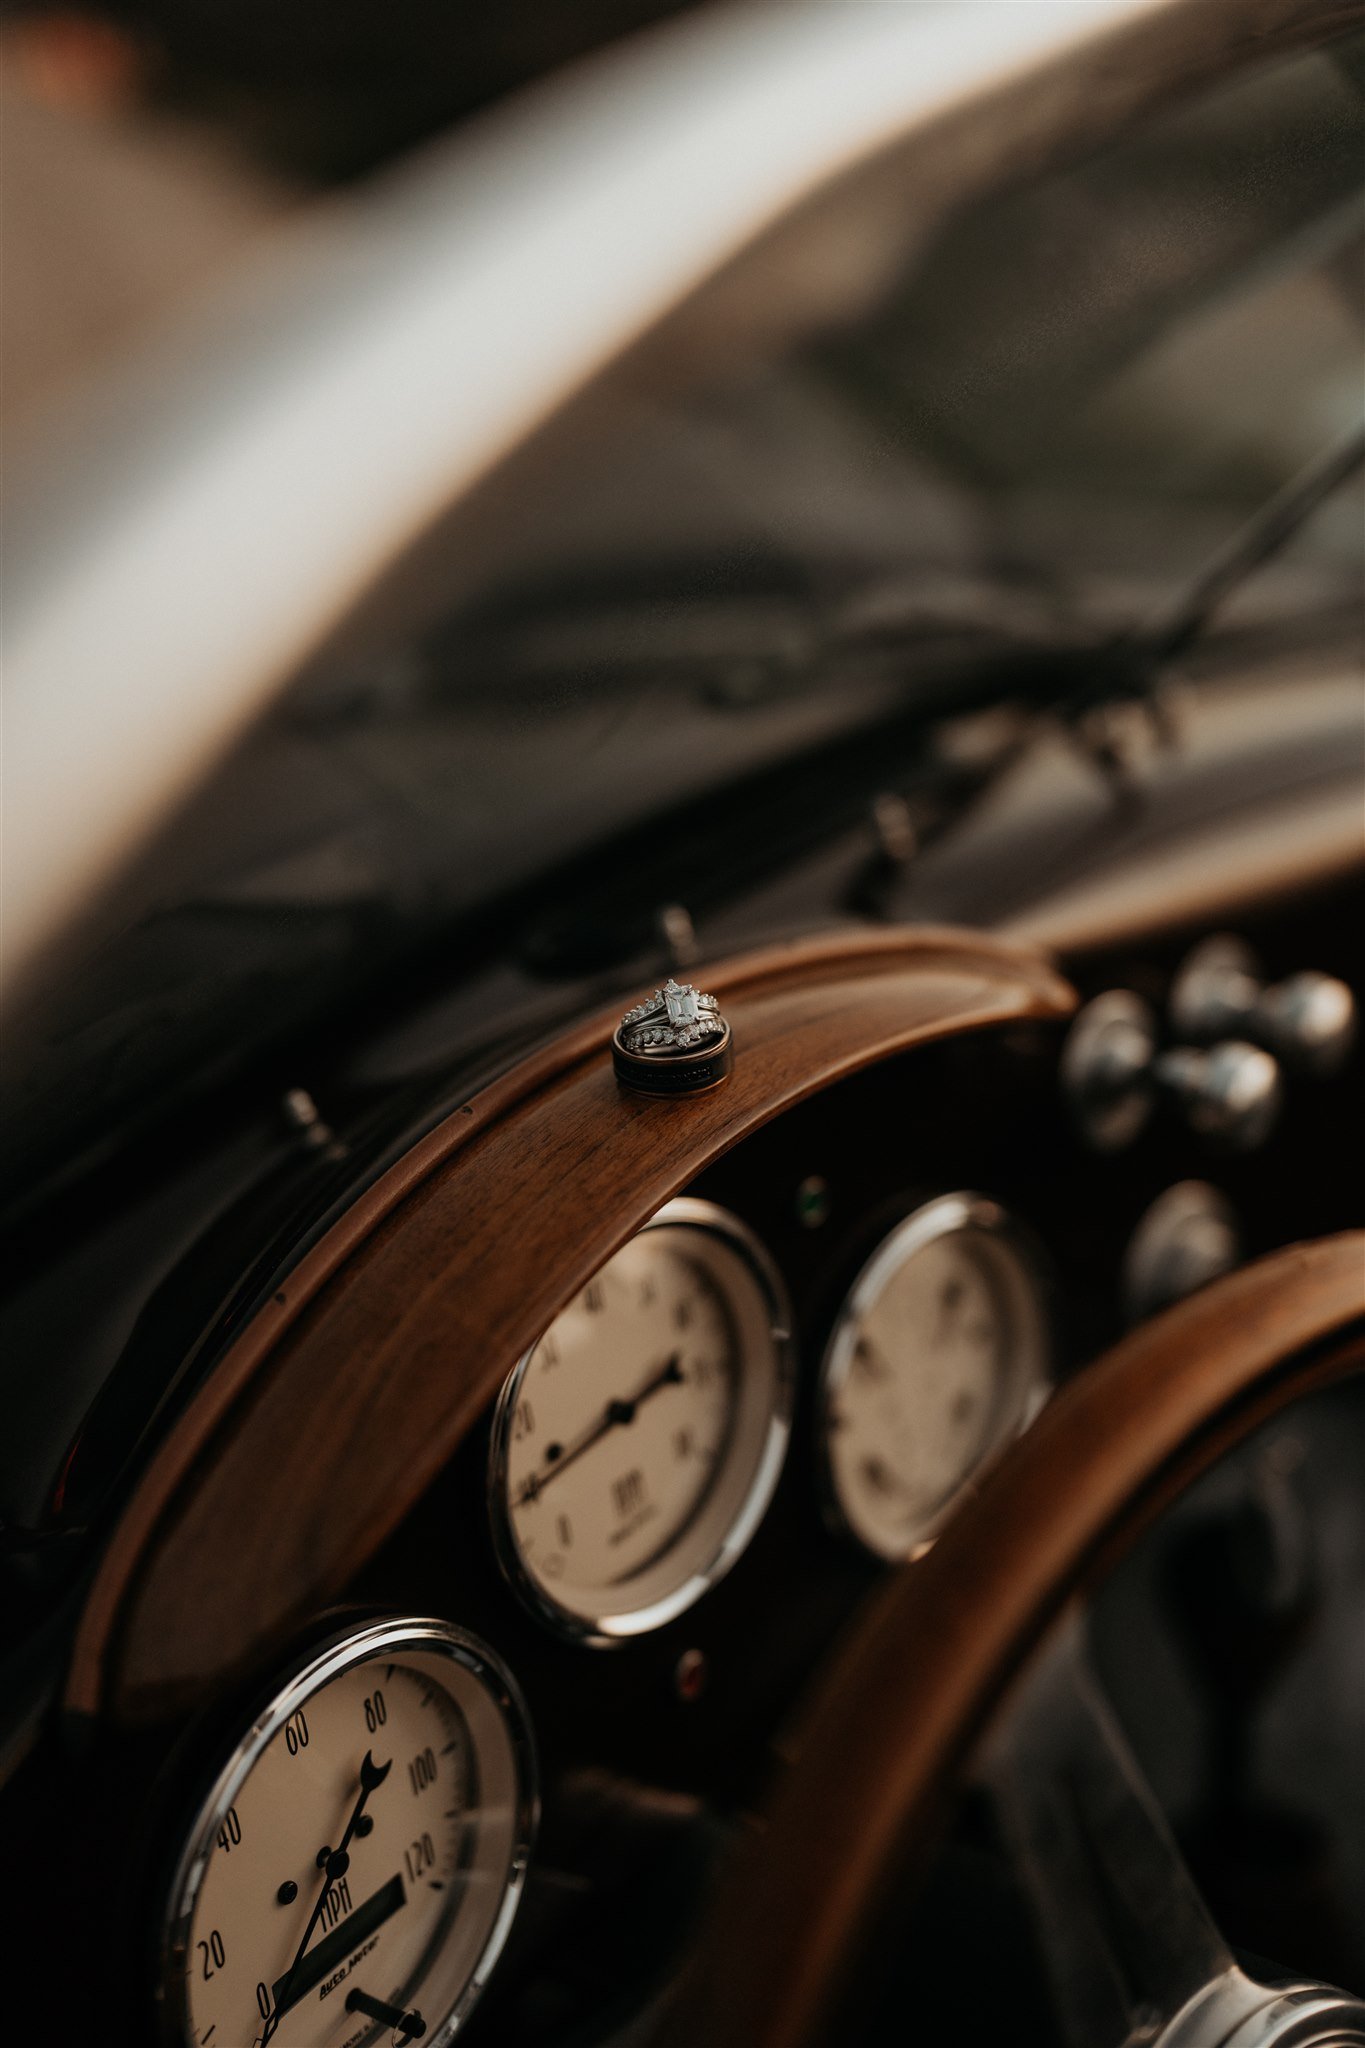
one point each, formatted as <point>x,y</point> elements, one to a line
<point>636,1446</point>
<point>352,1875</point>
<point>939,1356</point>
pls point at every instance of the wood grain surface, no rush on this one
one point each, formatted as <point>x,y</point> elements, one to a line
<point>343,1399</point>
<point>865,1792</point>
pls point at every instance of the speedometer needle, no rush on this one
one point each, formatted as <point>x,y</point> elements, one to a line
<point>372,1776</point>
<point>617,1413</point>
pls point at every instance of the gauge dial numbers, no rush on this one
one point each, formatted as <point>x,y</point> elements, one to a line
<point>636,1446</point>
<point>353,1874</point>
<point>940,1354</point>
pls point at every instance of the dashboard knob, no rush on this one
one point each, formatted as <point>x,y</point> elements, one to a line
<point>1229,1092</point>
<point>1112,1073</point>
<point>1107,1068</point>
<point>1188,1237</point>
<point>1308,1021</point>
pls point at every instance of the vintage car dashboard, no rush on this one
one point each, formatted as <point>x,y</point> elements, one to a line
<point>541,1484</point>
<point>438,1472</point>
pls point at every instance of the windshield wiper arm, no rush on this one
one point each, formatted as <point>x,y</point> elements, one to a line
<point>1132,667</point>
<point>1265,534</point>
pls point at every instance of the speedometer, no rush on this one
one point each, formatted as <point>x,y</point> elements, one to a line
<point>938,1357</point>
<point>636,1446</point>
<point>352,1874</point>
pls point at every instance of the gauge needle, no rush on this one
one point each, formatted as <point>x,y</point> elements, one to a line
<point>372,1776</point>
<point>617,1413</point>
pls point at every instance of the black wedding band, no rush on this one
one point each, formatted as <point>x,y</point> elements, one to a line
<point>670,1071</point>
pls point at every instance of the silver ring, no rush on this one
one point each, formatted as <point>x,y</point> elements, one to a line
<point>676,1042</point>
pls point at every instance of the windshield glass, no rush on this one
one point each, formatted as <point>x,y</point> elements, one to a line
<point>676,643</point>
<point>1126,358</point>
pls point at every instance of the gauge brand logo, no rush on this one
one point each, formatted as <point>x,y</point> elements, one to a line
<point>633,1507</point>
<point>340,1976</point>
<point>628,1492</point>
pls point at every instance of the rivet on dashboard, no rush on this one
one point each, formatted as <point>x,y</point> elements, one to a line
<point>300,1112</point>
<point>690,1674</point>
<point>674,1043</point>
<point>302,1116</point>
<point>678,934</point>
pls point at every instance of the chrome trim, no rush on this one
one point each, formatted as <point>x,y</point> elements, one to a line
<point>342,1653</point>
<point>603,1631</point>
<point>944,1216</point>
<point>1237,2012</point>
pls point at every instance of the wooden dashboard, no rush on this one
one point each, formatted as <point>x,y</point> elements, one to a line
<point>348,1391</point>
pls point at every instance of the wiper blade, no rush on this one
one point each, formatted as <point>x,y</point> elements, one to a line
<point>1265,535</point>
<point>1133,667</point>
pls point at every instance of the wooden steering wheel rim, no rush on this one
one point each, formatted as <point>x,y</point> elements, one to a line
<point>869,1769</point>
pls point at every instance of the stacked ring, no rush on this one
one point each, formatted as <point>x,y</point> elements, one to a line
<point>674,1043</point>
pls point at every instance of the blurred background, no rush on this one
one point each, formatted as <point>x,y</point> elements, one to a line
<point>145,146</point>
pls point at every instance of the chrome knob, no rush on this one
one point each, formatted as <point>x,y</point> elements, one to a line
<point>1107,1068</point>
<point>1308,1021</point>
<point>1112,1073</point>
<point>1230,1092</point>
<point>1188,1237</point>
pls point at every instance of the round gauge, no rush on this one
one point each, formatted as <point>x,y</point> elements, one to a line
<point>353,1874</point>
<point>636,1446</point>
<point>940,1354</point>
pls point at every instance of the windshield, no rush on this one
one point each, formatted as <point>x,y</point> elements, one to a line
<point>682,638</point>
<point>1126,358</point>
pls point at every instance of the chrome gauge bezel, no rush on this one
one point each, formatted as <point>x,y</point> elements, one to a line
<point>386,1638</point>
<point>946,1215</point>
<point>601,1628</point>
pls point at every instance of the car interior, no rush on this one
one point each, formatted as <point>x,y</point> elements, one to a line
<point>685,1287</point>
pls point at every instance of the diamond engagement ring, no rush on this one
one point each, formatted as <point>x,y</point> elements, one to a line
<point>674,1043</point>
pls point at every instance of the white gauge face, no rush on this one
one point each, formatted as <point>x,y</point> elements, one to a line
<point>357,1867</point>
<point>939,1356</point>
<point>637,1444</point>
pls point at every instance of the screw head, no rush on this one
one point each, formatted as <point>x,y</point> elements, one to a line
<point>690,1675</point>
